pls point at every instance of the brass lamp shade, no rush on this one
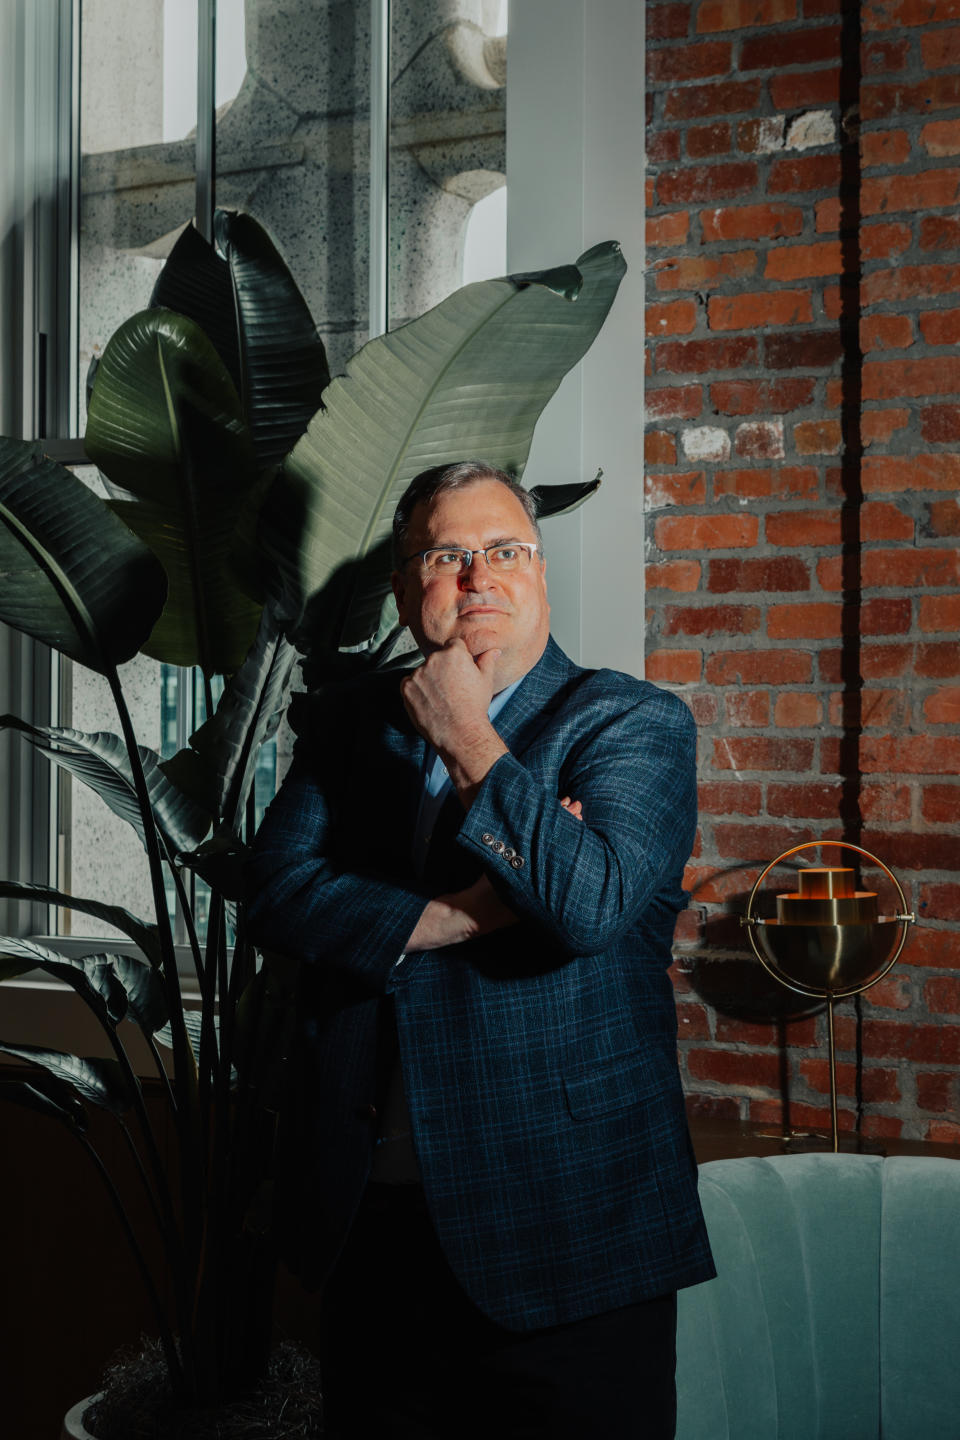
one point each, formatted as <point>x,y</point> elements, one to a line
<point>828,939</point>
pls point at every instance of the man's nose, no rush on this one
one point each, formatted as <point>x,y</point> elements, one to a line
<point>478,575</point>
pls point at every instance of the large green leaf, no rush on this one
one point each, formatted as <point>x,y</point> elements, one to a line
<point>100,1081</point>
<point>73,576</point>
<point>248,304</point>
<point>165,425</point>
<point>101,761</point>
<point>468,379</point>
<point>142,932</point>
<point>59,1104</point>
<point>114,986</point>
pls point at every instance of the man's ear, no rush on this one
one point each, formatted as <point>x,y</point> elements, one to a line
<point>399,594</point>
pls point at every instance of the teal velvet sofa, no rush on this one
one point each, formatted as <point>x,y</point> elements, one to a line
<point>836,1311</point>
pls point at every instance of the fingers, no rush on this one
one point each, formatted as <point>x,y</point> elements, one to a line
<point>572,807</point>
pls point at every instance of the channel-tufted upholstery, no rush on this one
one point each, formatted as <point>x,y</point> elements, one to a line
<point>836,1311</point>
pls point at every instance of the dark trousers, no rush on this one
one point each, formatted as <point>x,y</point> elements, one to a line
<point>407,1356</point>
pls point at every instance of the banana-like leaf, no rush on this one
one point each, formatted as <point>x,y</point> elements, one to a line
<point>114,986</point>
<point>469,378</point>
<point>165,424</point>
<point>142,932</point>
<point>561,499</point>
<point>101,761</point>
<point>247,714</point>
<point>73,576</point>
<point>102,1082</point>
<point>220,862</point>
<point>193,1023</point>
<point>249,305</point>
<point>60,1104</point>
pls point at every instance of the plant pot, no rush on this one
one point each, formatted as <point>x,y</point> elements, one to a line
<point>73,1426</point>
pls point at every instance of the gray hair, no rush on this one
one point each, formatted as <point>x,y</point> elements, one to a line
<point>441,478</point>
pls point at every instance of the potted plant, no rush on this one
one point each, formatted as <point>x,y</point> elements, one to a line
<point>247,526</point>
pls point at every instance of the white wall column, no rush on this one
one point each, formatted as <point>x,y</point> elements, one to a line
<point>575,145</point>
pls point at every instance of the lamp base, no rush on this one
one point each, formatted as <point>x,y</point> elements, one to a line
<point>807,1142</point>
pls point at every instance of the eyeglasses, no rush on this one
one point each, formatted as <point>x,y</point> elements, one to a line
<point>502,559</point>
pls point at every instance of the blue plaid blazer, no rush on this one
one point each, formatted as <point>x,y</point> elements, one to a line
<point>539,1062</point>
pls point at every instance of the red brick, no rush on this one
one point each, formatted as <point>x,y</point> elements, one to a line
<point>757,397</point>
<point>674,402</point>
<point>818,437</point>
<point>693,272</point>
<point>885,616</point>
<point>748,708</point>
<point>941,804</point>
<point>673,667</point>
<point>943,518</point>
<point>711,619</point>
<point>801,262</point>
<point>687,487</point>
<point>891,379</point>
<point>803,352</point>
<point>940,49</point>
<point>712,1107</point>
<point>939,612</point>
<point>908,282</point>
<point>794,47</point>
<point>883,241</point>
<point>931,1044</point>
<point>797,710</point>
<point>751,222</point>
<point>885,804</point>
<point>911,754</point>
<point>706,532</point>
<point>808,1117</point>
<point>879,1082</point>
<point>700,356</point>
<point>878,426</point>
<point>696,184</point>
<point>735,1067</point>
<point>931,189</point>
<point>758,752</point>
<point>731,97</point>
<point>880,709</point>
<point>667,229</point>
<point>799,1032</point>
<point>941,327</point>
<point>729,797</point>
<point>806,89</point>
<point>704,141</point>
<point>905,568</point>
<point>674,575</point>
<point>936,1090</point>
<point>761,135</point>
<point>891,993</point>
<point>718,15</point>
<point>751,311</point>
<point>677,317</point>
<point>941,137</point>
<point>884,147</point>
<point>784,482</point>
<point>885,332</point>
<point>943,1132</point>
<point>797,622</point>
<point>711,886</point>
<point>884,56</point>
<point>664,147</point>
<point>828,214</point>
<point>942,995</point>
<point>774,575</point>
<point>883,100</point>
<point>759,667</point>
<point>755,844</point>
<point>929,949</point>
<point>943,708</point>
<point>692,1022</point>
<point>667,22</point>
<point>704,707</point>
<point>796,174</point>
<point>803,801</point>
<point>907,851</point>
<point>688,62</point>
<point>910,472</point>
<point>882,520</point>
<point>940,902</point>
<point>807,528</point>
<point>659,447</point>
<point>938,660</point>
<point>877,662</point>
<point>939,232</point>
<point>759,440</point>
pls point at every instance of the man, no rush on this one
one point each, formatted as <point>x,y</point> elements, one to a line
<point>479,867</point>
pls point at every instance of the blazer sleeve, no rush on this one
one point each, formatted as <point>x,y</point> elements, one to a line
<point>300,902</point>
<point>585,881</point>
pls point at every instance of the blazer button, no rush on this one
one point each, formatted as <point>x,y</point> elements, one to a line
<point>508,854</point>
<point>497,847</point>
<point>487,838</point>
<point>517,862</point>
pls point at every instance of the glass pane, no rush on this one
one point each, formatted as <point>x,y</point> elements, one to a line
<point>447,150</point>
<point>292,148</point>
<point>138,106</point>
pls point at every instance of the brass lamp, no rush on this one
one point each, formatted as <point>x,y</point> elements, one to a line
<point>828,940</point>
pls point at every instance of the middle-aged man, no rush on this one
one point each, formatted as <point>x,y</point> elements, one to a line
<point>479,866</point>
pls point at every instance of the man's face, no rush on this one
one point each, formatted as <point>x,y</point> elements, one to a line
<point>509,612</point>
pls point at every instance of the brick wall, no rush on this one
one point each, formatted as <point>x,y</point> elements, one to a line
<point>803,403</point>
